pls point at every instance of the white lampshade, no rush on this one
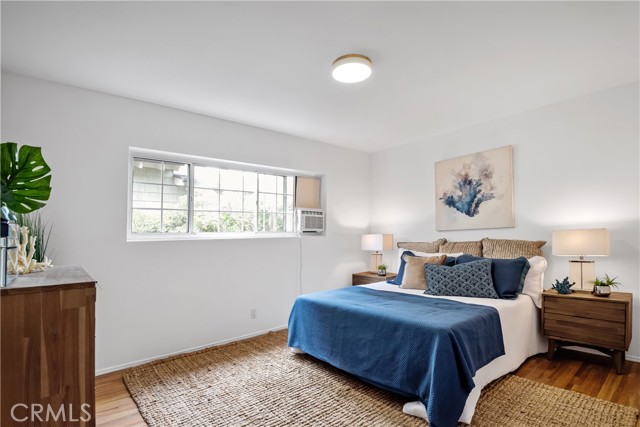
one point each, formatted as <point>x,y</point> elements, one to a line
<point>591,242</point>
<point>376,242</point>
<point>581,243</point>
<point>352,68</point>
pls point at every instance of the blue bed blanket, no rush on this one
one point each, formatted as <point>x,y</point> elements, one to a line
<point>425,347</point>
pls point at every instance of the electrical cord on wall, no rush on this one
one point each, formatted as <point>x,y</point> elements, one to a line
<point>299,263</point>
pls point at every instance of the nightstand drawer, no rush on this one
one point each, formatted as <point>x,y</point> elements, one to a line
<point>601,333</point>
<point>367,277</point>
<point>606,326</point>
<point>603,310</point>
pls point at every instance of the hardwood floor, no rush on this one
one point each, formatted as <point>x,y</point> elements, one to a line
<point>114,406</point>
<point>588,374</point>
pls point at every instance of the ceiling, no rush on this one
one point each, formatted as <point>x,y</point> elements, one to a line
<point>438,66</point>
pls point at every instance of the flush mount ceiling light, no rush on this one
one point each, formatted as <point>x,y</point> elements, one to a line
<point>351,68</point>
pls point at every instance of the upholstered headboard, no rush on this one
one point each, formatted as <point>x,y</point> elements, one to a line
<point>488,248</point>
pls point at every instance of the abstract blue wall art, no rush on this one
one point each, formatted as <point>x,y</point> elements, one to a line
<point>475,191</point>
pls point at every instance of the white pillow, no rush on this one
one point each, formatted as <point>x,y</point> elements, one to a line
<point>425,254</point>
<point>534,280</point>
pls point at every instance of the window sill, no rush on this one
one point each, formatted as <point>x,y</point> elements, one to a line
<point>209,236</point>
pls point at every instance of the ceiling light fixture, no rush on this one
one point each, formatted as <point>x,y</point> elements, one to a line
<point>351,68</point>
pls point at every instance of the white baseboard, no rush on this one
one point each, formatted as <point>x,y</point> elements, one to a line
<point>188,350</point>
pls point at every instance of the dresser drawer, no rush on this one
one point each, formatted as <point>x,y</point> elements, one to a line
<point>602,310</point>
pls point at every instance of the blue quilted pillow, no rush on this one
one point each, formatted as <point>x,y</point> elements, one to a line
<point>471,279</point>
<point>508,274</point>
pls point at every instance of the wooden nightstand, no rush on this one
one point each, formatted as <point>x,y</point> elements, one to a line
<point>367,277</point>
<point>579,318</point>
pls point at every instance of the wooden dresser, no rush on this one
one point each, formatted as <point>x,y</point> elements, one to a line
<point>580,318</point>
<point>47,356</point>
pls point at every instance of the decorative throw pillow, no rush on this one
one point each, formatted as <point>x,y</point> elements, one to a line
<point>401,252</point>
<point>449,261</point>
<point>451,258</point>
<point>428,247</point>
<point>414,273</point>
<point>471,279</point>
<point>505,248</point>
<point>401,266</point>
<point>508,274</point>
<point>471,248</point>
<point>534,282</point>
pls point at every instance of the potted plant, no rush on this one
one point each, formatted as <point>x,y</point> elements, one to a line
<point>25,178</point>
<point>382,270</point>
<point>25,187</point>
<point>602,285</point>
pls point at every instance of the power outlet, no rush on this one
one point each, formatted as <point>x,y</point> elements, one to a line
<point>253,313</point>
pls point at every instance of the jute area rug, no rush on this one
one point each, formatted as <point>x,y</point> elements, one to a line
<point>259,382</point>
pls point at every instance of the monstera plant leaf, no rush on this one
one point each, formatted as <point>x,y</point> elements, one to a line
<point>25,178</point>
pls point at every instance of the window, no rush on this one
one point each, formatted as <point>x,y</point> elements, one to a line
<point>160,202</point>
<point>174,197</point>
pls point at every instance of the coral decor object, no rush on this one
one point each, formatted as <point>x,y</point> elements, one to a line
<point>23,262</point>
<point>563,287</point>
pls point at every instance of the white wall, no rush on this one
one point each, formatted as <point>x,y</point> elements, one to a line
<point>575,166</point>
<point>156,298</point>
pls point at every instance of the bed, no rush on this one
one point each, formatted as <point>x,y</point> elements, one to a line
<point>371,331</point>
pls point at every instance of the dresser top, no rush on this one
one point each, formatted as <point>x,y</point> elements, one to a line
<point>60,275</point>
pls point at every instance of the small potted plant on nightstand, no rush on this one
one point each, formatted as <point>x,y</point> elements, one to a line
<point>382,270</point>
<point>602,285</point>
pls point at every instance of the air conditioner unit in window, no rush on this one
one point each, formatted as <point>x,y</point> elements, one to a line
<point>310,220</point>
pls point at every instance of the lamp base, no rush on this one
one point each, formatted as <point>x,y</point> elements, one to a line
<point>376,260</point>
<point>582,272</point>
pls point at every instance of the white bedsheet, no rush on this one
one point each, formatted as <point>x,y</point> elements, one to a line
<point>520,320</point>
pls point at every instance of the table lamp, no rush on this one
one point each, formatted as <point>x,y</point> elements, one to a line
<point>581,243</point>
<point>376,243</point>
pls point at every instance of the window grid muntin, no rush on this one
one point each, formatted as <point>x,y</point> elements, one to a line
<point>231,212</point>
<point>161,210</point>
<point>287,217</point>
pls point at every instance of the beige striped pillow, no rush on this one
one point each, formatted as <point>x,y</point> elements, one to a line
<point>505,248</point>
<point>471,248</point>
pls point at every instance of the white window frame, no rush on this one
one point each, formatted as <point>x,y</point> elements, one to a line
<point>136,152</point>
